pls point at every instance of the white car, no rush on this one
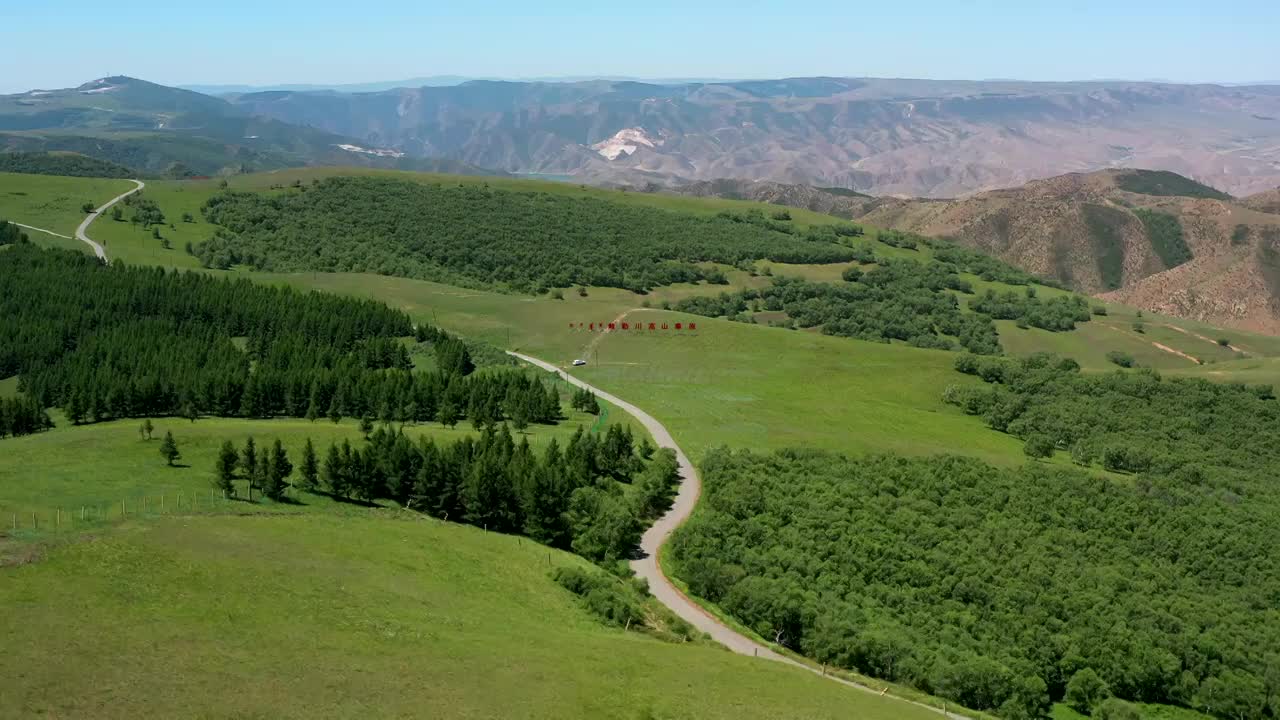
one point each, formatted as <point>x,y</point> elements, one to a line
<point>579,362</point>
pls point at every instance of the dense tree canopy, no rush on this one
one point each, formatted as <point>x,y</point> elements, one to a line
<point>480,236</point>
<point>112,341</point>
<point>572,498</point>
<point>984,266</point>
<point>1057,314</point>
<point>1229,434</point>
<point>69,164</point>
<point>895,300</point>
<point>995,587</point>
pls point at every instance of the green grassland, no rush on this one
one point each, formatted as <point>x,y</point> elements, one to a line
<point>490,316</point>
<point>133,244</point>
<point>331,610</point>
<point>765,387</point>
<point>744,385</point>
<point>749,386</point>
<point>53,202</point>
<point>357,615</point>
<point>732,384</point>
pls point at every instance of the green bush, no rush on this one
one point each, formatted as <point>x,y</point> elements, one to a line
<point>1123,359</point>
<point>607,597</point>
<point>1085,691</point>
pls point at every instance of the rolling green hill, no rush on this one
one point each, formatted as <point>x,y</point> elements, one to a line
<point>320,614</point>
<point>734,384</point>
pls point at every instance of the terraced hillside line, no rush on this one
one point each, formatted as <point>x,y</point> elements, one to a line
<point>80,231</point>
<point>656,536</point>
<point>1160,346</point>
<point>1184,331</point>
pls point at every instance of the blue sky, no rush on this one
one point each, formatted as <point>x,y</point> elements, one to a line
<point>59,43</point>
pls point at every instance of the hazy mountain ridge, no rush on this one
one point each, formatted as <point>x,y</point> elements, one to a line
<point>888,137</point>
<point>156,129</point>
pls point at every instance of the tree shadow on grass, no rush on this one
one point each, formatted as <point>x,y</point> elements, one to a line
<point>343,500</point>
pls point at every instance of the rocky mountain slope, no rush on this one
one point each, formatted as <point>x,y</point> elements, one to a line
<point>1154,240</point>
<point>887,137</point>
<point>1267,201</point>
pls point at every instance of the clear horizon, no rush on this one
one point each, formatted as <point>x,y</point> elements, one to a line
<point>297,43</point>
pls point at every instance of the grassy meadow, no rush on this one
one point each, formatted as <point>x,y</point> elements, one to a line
<point>54,203</point>
<point>367,614</point>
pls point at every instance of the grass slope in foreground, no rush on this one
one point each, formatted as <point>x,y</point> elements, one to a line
<point>320,615</point>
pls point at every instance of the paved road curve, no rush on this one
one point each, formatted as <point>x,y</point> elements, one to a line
<point>80,231</point>
<point>648,567</point>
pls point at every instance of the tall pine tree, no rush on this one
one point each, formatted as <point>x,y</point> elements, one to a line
<point>309,469</point>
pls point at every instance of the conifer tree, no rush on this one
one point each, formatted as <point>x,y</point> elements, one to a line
<point>75,408</point>
<point>313,405</point>
<point>449,413</point>
<point>169,449</point>
<point>228,458</point>
<point>249,463</point>
<point>333,472</point>
<point>277,469</point>
<point>146,429</point>
<point>309,469</point>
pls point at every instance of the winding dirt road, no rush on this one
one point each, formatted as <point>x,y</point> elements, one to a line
<point>80,231</point>
<point>653,539</point>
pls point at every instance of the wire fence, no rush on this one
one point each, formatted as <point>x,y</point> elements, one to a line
<point>77,517</point>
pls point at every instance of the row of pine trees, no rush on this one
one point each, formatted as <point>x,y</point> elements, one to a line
<point>570,498</point>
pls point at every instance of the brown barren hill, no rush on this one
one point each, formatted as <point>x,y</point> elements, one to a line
<point>1267,202</point>
<point>1152,239</point>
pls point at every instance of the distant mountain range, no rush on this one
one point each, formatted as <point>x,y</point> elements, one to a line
<point>918,138</point>
<point>427,81</point>
<point>1154,240</point>
<point>159,130</point>
<point>886,137</point>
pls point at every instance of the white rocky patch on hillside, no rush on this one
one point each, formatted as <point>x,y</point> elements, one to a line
<point>367,151</point>
<point>627,141</point>
<point>101,85</point>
